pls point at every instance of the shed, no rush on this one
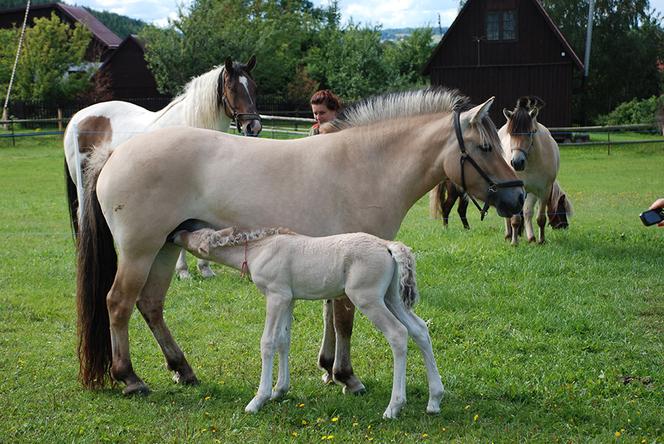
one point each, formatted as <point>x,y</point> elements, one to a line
<point>507,49</point>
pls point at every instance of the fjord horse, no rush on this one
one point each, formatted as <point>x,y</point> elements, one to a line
<point>534,155</point>
<point>208,101</point>
<point>393,149</point>
<point>378,277</point>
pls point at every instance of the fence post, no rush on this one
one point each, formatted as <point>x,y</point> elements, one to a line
<point>11,127</point>
<point>59,119</point>
<point>608,145</point>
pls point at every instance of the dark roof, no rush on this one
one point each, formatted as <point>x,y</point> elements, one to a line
<point>82,16</point>
<point>547,18</point>
<point>130,38</point>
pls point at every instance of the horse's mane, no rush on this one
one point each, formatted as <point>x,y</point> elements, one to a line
<point>521,121</point>
<point>215,239</point>
<point>399,104</point>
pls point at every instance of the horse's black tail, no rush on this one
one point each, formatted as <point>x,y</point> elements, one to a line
<point>97,266</point>
<point>72,201</point>
<point>406,271</point>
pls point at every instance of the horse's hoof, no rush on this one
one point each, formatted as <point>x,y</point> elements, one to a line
<point>357,391</point>
<point>392,411</point>
<point>278,394</point>
<point>207,272</point>
<point>541,242</point>
<point>183,275</point>
<point>327,378</point>
<point>137,388</point>
<point>185,380</point>
<point>532,240</point>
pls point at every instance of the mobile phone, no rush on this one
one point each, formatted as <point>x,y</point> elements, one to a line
<point>652,217</point>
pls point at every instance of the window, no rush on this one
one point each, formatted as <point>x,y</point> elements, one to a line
<point>501,25</point>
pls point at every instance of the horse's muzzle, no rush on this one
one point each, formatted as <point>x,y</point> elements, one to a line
<point>509,201</point>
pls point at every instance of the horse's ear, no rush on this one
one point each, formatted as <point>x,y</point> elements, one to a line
<point>533,112</point>
<point>507,113</point>
<point>475,115</point>
<point>251,63</point>
<point>228,64</point>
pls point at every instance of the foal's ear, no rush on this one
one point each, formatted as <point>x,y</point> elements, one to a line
<point>251,63</point>
<point>476,114</point>
<point>533,112</point>
<point>228,64</point>
<point>507,113</point>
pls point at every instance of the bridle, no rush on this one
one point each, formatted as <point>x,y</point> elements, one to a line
<point>465,157</point>
<point>236,116</point>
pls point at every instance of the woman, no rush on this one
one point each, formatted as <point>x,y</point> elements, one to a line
<point>324,105</point>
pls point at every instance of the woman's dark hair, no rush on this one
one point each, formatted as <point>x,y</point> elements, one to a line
<point>327,98</point>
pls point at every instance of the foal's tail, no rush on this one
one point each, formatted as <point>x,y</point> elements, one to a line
<point>436,196</point>
<point>405,260</point>
<point>97,265</point>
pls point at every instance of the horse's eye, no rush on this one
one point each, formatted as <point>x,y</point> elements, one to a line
<point>485,147</point>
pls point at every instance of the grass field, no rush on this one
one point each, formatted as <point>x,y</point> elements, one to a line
<point>556,343</point>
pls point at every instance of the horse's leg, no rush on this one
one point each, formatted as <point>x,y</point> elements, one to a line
<point>283,347</point>
<point>326,353</point>
<point>418,330</point>
<point>508,228</point>
<point>515,222</point>
<point>374,308</point>
<point>181,267</point>
<point>541,219</point>
<point>462,209</point>
<point>342,371</point>
<point>447,204</point>
<point>129,281</point>
<point>151,306</point>
<point>204,268</point>
<point>277,310</point>
<point>528,208</point>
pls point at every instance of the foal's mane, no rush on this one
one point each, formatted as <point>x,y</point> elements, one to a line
<point>237,237</point>
<point>399,104</point>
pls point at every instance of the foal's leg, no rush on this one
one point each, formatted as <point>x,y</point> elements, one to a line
<point>129,280</point>
<point>181,268</point>
<point>372,305</point>
<point>541,216</point>
<point>276,313</point>
<point>450,197</point>
<point>283,346</point>
<point>151,306</point>
<point>418,330</point>
<point>342,371</point>
<point>326,353</point>
<point>462,209</point>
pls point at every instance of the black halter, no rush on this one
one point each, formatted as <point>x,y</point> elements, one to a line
<point>465,157</point>
<point>236,116</point>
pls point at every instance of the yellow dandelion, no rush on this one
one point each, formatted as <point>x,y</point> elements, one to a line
<point>294,433</point>
<point>300,405</point>
<point>355,424</point>
<point>444,429</point>
<point>476,417</point>
<point>207,398</point>
<point>618,434</point>
<point>467,407</point>
<point>424,435</point>
<point>304,422</point>
<point>335,419</point>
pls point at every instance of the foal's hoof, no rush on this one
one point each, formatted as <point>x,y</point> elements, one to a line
<point>137,388</point>
<point>185,380</point>
<point>357,391</point>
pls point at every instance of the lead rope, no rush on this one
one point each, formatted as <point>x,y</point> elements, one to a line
<point>244,268</point>
<point>18,53</point>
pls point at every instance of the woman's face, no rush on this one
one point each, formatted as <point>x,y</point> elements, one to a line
<point>322,113</point>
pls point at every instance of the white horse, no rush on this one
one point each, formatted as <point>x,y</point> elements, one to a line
<point>535,157</point>
<point>378,277</point>
<point>209,101</point>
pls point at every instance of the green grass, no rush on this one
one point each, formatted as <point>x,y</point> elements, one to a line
<point>534,343</point>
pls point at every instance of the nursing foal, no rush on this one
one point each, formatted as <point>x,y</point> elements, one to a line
<point>378,277</point>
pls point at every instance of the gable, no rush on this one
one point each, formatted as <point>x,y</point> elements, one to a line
<point>536,39</point>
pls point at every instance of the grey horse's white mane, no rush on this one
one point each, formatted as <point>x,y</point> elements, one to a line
<point>398,105</point>
<point>216,239</point>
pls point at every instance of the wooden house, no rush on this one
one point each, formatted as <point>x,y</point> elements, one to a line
<point>507,49</point>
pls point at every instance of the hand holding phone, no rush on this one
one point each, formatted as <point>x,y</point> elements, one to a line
<point>652,217</point>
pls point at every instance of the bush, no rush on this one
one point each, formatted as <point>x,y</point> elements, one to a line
<point>634,111</point>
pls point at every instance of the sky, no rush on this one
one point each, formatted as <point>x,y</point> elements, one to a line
<point>388,13</point>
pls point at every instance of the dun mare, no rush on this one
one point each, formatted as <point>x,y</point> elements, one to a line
<point>377,276</point>
<point>392,151</point>
<point>208,101</point>
<point>534,155</point>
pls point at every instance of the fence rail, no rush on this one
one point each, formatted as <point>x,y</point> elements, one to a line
<point>299,126</point>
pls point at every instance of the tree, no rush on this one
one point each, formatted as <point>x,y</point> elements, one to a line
<point>627,44</point>
<point>406,57</point>
<point>8,46</point>
<point>50,49</point>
